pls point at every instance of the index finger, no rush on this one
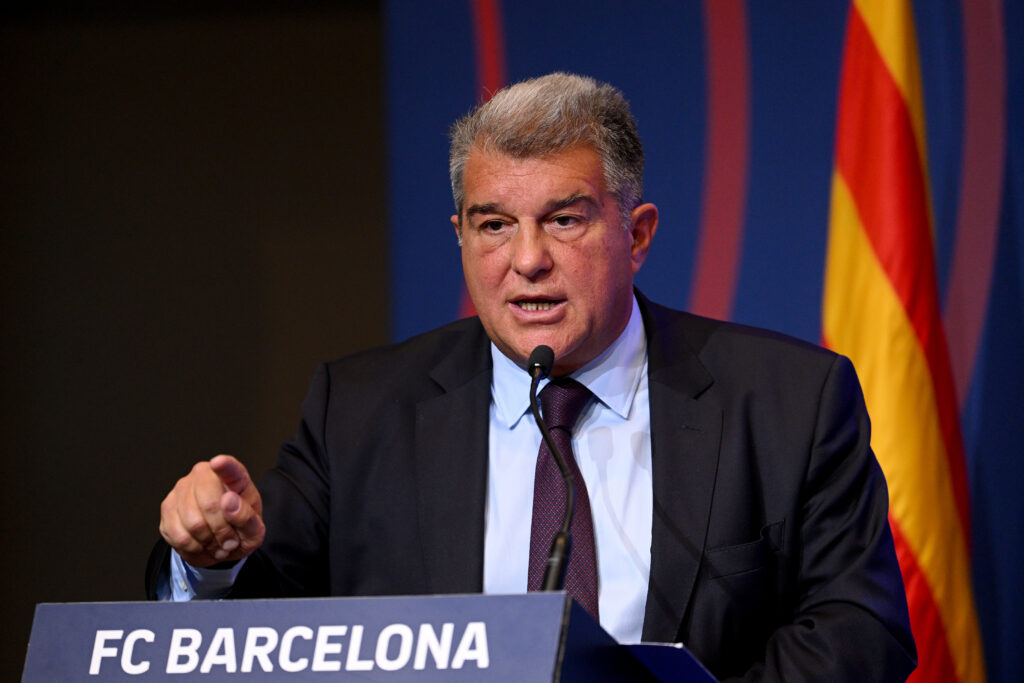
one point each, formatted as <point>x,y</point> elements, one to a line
<point>231,472</point>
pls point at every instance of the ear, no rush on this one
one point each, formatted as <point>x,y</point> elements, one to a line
<point>458,228</point>
<point>643,223</point>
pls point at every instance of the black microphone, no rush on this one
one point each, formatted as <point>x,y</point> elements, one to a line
<point>541,361</point>
<point>539,366</point>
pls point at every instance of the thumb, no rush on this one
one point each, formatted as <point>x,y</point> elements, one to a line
<point>245,520</point>
<point>231,503</point>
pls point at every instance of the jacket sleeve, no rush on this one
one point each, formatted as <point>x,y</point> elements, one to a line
<point>849,612</point>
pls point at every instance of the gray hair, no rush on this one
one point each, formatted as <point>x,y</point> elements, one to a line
<point>550,114</point>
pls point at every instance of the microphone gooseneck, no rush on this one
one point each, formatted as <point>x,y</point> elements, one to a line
<point>539,366</point>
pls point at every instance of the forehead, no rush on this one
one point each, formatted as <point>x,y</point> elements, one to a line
<point>490,174</point>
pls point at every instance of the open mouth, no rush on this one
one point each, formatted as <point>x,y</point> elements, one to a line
<point>537,304</point>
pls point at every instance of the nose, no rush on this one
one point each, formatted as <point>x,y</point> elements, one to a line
<point>530,252</point>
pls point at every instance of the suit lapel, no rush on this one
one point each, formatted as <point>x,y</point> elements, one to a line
<point>451,467</point>
<point>686,435</point>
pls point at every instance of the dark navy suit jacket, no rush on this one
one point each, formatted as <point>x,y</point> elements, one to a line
<point>771,553</point>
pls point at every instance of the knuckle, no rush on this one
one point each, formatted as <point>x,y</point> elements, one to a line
<point>209,506</point>
<point>195,527</point>
<point>180,540</point>
<point>222,534</point>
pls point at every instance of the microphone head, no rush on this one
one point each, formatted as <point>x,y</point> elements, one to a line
<point>541,361</point>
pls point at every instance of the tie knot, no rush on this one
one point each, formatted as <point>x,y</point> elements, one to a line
<point>562,401</point>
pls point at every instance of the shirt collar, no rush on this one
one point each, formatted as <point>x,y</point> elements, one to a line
<point>613,376</point>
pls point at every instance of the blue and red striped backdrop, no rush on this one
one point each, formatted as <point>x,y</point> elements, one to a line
<point>736,103</point>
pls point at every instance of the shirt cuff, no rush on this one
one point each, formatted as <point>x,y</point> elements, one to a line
<point>199,583</point>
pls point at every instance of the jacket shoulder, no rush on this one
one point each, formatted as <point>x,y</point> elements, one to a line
<point>711,340</point>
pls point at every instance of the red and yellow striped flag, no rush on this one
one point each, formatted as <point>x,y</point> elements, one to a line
<point>881,309</point>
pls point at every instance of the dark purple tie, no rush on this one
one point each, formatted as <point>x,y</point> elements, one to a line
<point>562,401</point>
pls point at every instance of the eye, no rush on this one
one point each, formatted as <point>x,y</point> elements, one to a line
<point>566,221</point>
<point>495,230</point>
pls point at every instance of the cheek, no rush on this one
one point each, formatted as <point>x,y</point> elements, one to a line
<point>600,267</point>
<point>603,277</point>
<point>483,271</point>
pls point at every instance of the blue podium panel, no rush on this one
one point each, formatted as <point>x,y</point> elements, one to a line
<point>533,637</point>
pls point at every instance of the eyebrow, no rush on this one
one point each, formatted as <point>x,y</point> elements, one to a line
<point>569,201</point>
<point>550,207</point>
<point>492,207</point>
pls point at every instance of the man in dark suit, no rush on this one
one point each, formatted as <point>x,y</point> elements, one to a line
<point>736,504</point>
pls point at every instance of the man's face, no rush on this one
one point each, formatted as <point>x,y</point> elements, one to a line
<point>545,255</point>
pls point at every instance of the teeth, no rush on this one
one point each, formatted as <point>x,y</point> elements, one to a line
<point>535,306</point>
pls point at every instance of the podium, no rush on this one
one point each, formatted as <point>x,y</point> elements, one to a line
<point>532,637</point>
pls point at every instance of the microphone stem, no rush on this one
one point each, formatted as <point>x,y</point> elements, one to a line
<point>554,570</point>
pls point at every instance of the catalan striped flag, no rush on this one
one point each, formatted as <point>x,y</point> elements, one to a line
<point>881,309</point>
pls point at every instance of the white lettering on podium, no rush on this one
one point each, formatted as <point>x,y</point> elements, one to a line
<point>439,648</point>
<point>325,647</point>
<point>260,642</point>
<point>185,643</point>
<point>404,634</point>
<point>221,652</point>
<point>473,646</point>
<point>128,664</point>
<point>353,662</point>
<point>285,657</point>
<point>397,646</point>
<point>100,650</point>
